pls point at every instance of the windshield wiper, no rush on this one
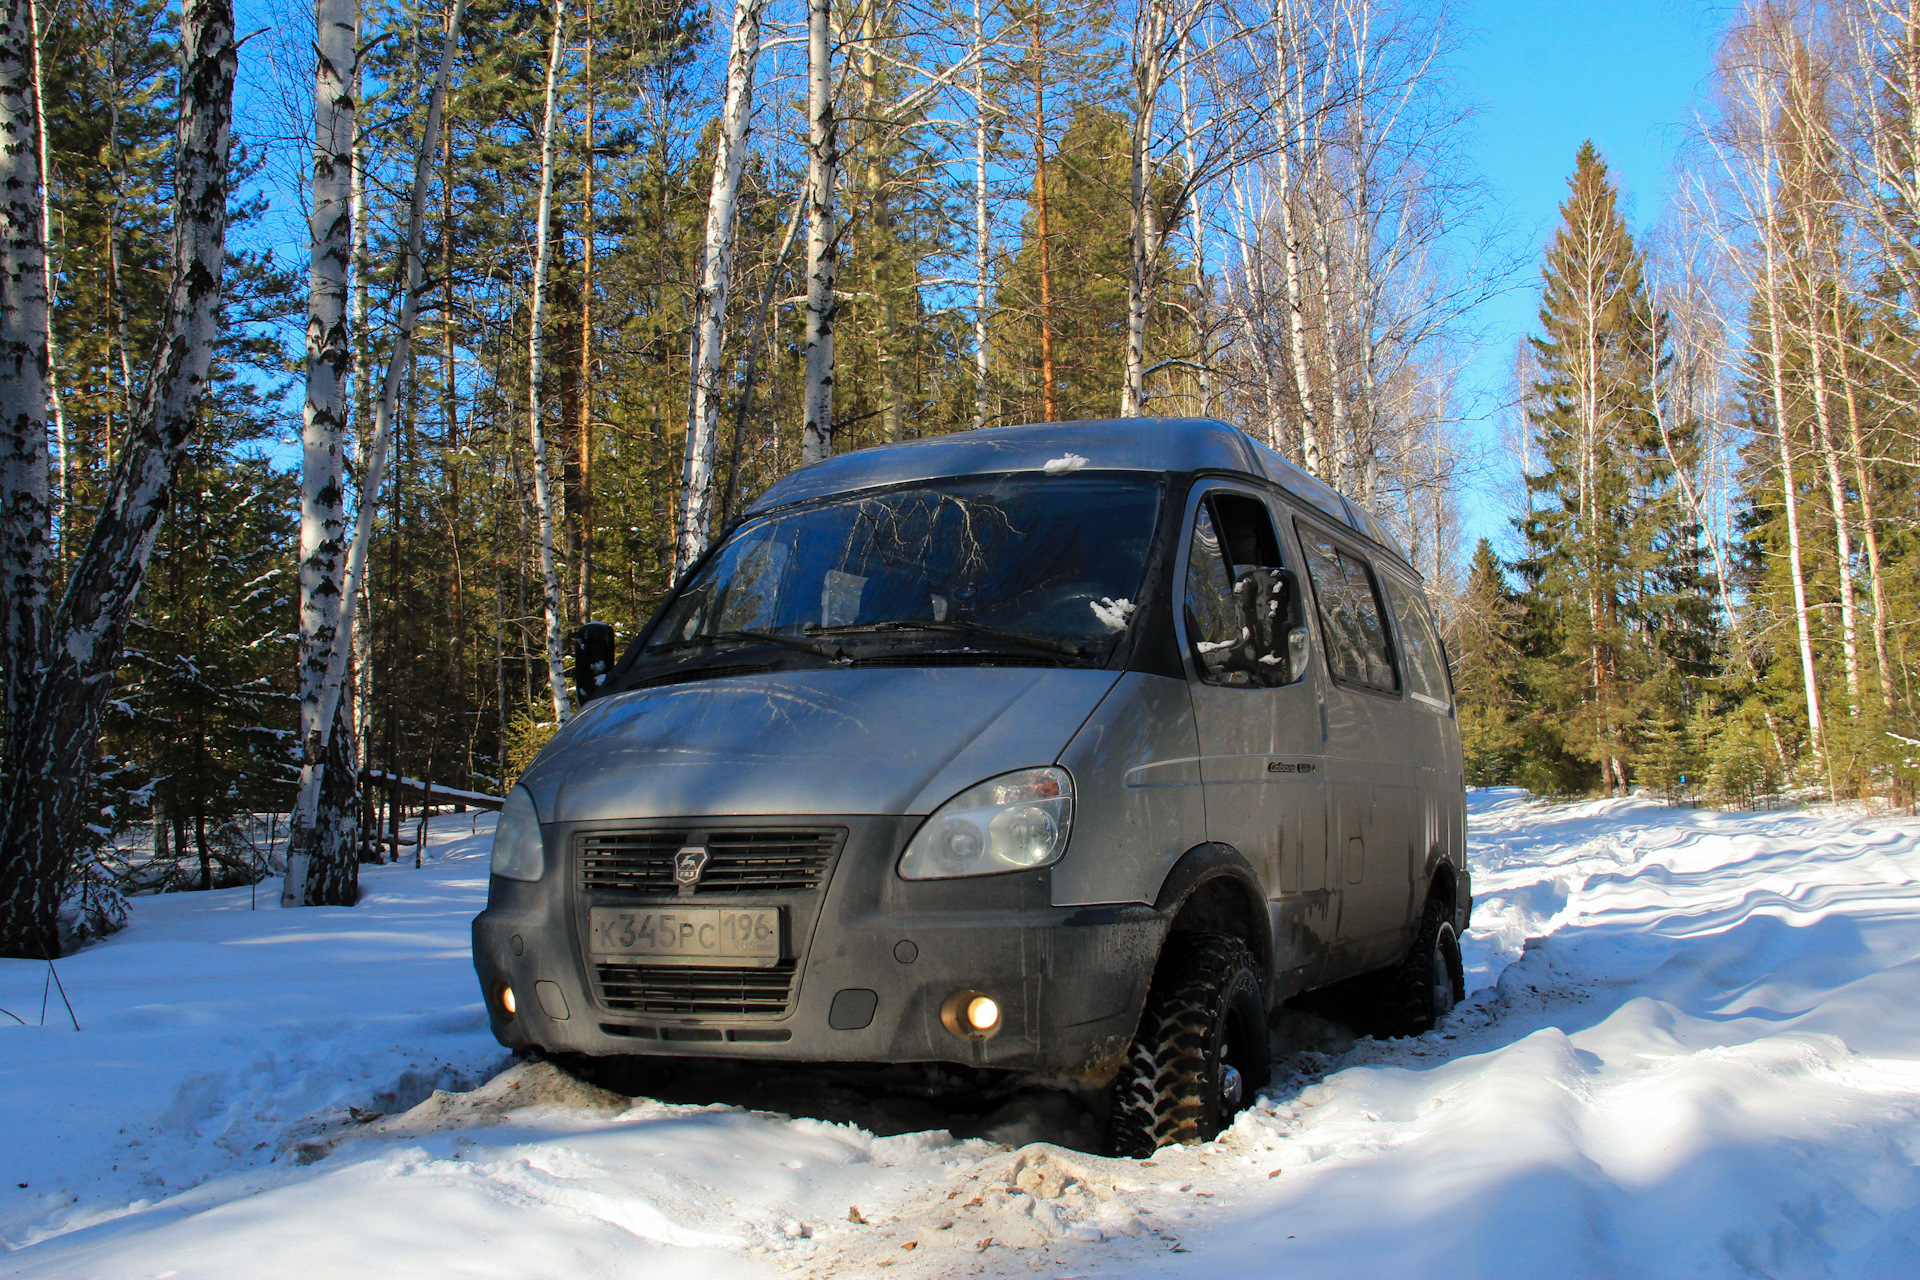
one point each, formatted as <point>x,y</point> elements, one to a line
<point>770,637</point>
<point>954,628</point>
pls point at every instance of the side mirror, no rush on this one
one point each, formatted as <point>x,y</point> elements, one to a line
<point>593,659</point>
<point>1273,612</point>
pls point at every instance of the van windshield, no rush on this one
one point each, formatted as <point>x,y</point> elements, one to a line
<point>1049,564</point>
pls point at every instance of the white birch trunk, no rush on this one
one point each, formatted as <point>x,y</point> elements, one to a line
<point>823,157</point>
<point>1837,504</point>
<point>543,489</point>
<point>324,438</point>
<point>710,304</point>
<point>25,547</point>
<point>1777,385</point>
<point>981,243</point>
<point>61,451</point>
<point>305,839</point>
<point>1292,110</point>
<point>45,787</point>
<point>1202,355</point>
<point>362,356</point>
<point>1149,75</point>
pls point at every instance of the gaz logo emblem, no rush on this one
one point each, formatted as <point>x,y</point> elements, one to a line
<point>688,864</point>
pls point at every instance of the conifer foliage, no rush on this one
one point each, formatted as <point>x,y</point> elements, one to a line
<point>1617,599</point>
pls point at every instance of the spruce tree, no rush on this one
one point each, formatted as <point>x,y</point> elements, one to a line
<point>1620,614</point>
<point>1486,672</point>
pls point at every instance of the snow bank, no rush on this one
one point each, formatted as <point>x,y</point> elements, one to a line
<point>1694,1051</point>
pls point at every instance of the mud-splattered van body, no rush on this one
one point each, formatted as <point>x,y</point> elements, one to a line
<point>957,750</point>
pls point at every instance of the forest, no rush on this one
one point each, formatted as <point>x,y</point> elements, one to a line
<point>352,356</point>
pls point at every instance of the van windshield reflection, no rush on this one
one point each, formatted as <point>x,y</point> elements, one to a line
<point>1023,564</point>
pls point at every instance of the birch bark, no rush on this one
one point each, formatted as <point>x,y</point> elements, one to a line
<point>324,436</point>
<point>823,158</point>
<point>542,483</point>
<point>44,795</point>
<point>1777,385</point>
<point>311,879</point>
<point>25,548</point>
<point>1149,77</point>
<point>981,243</point>
<point>716,279</point>
<point>1292,111</point>
<point>61,449</point>
<point>1049,392</point>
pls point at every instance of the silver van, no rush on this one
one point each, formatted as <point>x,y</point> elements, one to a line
<point>1070,750</point>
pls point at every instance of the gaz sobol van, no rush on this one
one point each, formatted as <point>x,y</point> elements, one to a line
<point>1064,751</point>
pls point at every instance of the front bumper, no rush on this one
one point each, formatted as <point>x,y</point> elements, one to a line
<point>873,959</point>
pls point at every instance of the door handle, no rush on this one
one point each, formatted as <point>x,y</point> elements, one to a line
<point>1321,698</point>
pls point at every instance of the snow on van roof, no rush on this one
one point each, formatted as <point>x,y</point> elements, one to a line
<point>1107,444</point>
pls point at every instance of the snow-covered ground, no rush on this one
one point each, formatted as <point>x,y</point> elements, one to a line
<point>1694,1051</point>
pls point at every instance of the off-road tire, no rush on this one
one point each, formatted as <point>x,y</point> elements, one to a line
<point>1204,1011</point>
<point>1424,987</point>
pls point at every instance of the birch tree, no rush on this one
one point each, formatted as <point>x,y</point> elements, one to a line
<point>536,430</point>
<point>710,303</point>
<point>327,875</point>
<point>25,549</point>
<point>823,237</point>
<point>322,869</point>
<point>44,795</point>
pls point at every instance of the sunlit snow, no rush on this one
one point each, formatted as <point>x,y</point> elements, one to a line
<point>1693,1050</point>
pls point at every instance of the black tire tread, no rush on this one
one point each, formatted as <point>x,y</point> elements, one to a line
<point>1159,1097</point>
<point>1404,1004</point>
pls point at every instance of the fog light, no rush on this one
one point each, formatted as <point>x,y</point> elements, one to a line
<point>971,1015</point>
<point>507,1002</point>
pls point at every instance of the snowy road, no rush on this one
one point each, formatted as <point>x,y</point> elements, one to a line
<point>1707,1064</point>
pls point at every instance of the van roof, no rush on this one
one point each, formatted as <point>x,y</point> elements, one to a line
<point>1103,444</point>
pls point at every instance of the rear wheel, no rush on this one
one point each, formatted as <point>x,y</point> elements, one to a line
<point>1425,986</point>
<point>1200,1054</point>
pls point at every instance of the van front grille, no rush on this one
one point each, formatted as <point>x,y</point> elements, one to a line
<point>695,989</point>
<point>750,860</point>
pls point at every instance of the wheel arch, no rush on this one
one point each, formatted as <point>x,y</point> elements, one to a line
<point>1451,885</point>
<point>1214,889</point>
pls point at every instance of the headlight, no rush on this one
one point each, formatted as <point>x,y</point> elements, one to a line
<point>1014,822</point>
<point>516,839</point>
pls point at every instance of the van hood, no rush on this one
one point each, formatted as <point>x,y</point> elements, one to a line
<point>811,741</point>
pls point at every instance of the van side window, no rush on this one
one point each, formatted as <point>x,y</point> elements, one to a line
<point>1232,538</point>
<point>1358,650</point>
<point>1426,665</point>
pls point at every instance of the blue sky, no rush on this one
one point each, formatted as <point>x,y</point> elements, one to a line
<point>1548,74</point>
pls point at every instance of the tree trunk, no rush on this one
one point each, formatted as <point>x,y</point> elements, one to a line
<point>324,428</point>
<point>63,461</point>
<point>26,551</point>
<point>1837,504</point>
<point>1050,406</point>
<point>362,356</point>
<point>1876,578</point>
<point>1777,383</point>
<point>542,484</point>
<point>43,803</point>
<point>716,279</point>
<point>322,868</point>
<point>981,243</point>
<point>583,509</point>
<point>823,158</point>
<point>1143,225</point>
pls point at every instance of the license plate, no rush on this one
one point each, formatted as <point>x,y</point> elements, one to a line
<point>688,935</point>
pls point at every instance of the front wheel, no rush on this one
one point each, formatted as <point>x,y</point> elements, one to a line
<point>1200,1054</point>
